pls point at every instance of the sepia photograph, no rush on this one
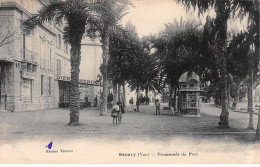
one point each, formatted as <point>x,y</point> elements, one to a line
<point>129,82</point>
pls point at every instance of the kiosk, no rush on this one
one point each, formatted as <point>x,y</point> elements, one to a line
<point>188,95</point>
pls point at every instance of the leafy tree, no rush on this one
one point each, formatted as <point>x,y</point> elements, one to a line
<point>121,52</point>
<point>77,14</point>
<point>152,78</point>
<point>177,49</point>
<point>145,75</point>
<point>142,67</point>
<point>223,10</point>
<point>238,62</point>
<point>107,23</point>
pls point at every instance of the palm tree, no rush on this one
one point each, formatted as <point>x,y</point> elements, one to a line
<point>177,49</point>
<point>77,14</point>
<point>109,18</point>
<point>223,10</point>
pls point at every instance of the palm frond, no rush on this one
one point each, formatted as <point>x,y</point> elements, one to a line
<point>47,13</point>
<point>203,5</point>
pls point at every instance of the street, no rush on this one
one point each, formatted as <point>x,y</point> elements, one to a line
<point>151,132</point>
<point>53,123</point>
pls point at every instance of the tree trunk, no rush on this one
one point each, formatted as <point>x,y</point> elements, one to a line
<point>119,92</point>
<point>105,48</point>
<point>114,93</point>
<point>236,98</point>
<point>75,37</point>
<point>228,93</point>
<point>174,98</point>
<point>258,127</point>
<point>146,96</point>
<point>170,96</point>
<point>250,101</point>
<point>74,96</point>
<point>124,102</point>
<point>222,15</point>
<point>137,99</point>
<point>154,95</point>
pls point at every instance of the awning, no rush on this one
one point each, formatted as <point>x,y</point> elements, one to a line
<point>81,81</point>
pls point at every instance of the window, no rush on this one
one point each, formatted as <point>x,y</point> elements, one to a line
<point>184,100</point>
<point>49,85</point>
<point>42,55</point>
<point>192,83</point>
<point>191,100</point>
<point>66,47</point>
<point>59,41</point>
<point>29,67</point>
<point>50,59</point>
<point>58,67</point>
<point>42,77</point>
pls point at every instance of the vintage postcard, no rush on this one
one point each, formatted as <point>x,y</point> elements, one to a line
<point>129,82</point>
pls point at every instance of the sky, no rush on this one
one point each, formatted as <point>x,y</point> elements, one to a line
<point>150,16</point>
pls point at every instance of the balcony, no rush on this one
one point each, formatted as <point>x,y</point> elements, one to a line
<point>28,75</point>
<point>30,56</point>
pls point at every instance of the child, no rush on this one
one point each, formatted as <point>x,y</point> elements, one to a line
<point>115,110</point>
<point>157,106</point>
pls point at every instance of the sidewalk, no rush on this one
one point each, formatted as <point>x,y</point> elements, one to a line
<point>241,110</point>
<point>53,123</point>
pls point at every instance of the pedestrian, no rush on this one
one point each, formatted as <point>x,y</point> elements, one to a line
<point>131,102</point>
<point>157,106</point>
<point>116,113</point>
<point>95,100</point>
<point>121,111</point>
<point>86,101</point>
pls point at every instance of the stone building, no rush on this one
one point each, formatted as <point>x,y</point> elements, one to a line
<point>35,69</point>
<point>27,62</point>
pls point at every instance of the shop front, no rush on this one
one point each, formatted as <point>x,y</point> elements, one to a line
<point>86,92</point>
<point>5,103</point>
<point>3,94</point>
<point>64,91</point>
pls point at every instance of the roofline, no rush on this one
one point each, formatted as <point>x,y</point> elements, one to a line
<point>20,8</point>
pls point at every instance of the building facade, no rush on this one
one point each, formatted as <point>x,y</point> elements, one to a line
<point>35,69</point>
<point>91,59</point>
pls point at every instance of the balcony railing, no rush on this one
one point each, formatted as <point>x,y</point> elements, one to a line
<point>30,56</point>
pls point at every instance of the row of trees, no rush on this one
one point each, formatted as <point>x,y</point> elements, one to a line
<point>96,18</point>
<point>124,58</point>
<point>132,63</point>
<point>181,47</point>
<point>223,61</point>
